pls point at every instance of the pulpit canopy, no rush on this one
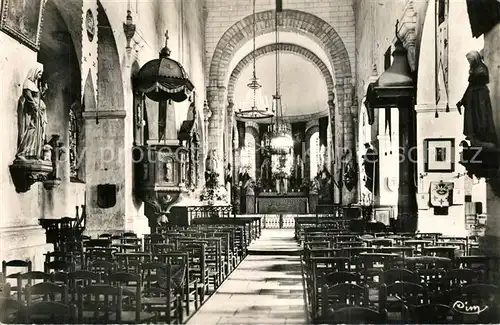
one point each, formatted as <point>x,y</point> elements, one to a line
<point>164,78</point>
<point>395,84</point>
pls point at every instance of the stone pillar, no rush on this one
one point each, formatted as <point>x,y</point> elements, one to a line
<point>228,134</point>
<point>407,203</point>
<point>349,144</point>
<point>337,142</point>
<point>216,130</point>
<point>491,243</point>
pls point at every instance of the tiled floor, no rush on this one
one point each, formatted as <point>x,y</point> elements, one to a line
<point>264,289</point>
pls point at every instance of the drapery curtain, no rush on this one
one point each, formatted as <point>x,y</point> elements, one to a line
<point>323,131</point>
<point>483,15</point>
<point>241,133</point>
<point>299,134</point>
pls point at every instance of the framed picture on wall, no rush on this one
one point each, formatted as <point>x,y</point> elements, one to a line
<point>22,19</point>
<point>439,155</point>
<point>383,214</point>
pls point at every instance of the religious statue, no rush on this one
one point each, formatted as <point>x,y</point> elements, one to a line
<point>325,192</point>
<point>210,164</point>
<point>168,170</point>
<point>479,127</point>
<point>481,157</point>
<point>370,166</point>
<point>228,175</point>
<point>32,117</point>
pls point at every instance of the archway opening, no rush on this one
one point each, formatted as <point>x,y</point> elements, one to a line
<point>63,78</point>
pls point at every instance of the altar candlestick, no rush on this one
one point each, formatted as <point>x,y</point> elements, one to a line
<point>301,169</point>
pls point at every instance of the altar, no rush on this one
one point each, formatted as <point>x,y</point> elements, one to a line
<point>273,202</point>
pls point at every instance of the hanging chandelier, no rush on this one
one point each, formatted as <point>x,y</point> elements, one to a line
<point>259,108</point>
<point>281,132</point>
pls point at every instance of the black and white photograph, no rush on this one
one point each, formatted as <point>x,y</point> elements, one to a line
<point>233,162</point>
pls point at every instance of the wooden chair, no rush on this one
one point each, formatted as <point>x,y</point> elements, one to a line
<point>103,267</point>
<point>12,311</point>
<point>342,295</point>
<point>48,291</point>
<point>30,278</point>
<point>59,265</point>
<point>453,281</point>
<point>342,277</point>
<point>161,294</point>
<point>357,315</point>
<point>82,278</point>
<point>107,306</point>
<point>399,275</point>
<point>396,297</point>
<point>21,266</point>
<point>429,314</point>
<point>477,304</point>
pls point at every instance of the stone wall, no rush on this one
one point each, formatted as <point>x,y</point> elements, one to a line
<point>20,235</point>
<point>222,14</point>
<point>373,38</point>
<point>329,24</point>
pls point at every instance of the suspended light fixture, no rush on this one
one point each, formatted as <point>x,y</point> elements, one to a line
<point>281,132</point>
<point>259,108</point>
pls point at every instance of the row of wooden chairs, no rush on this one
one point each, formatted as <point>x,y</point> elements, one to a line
<point>378,272</point>
<point>204,256</point>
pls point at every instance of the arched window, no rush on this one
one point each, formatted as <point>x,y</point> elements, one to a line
<point>314,154</point>
<point>248,154</point>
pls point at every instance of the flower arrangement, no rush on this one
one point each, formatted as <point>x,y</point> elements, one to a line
<point>212,191</point>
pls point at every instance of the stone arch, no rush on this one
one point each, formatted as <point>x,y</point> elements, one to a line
<point>109,79</point>
<point>282,47</point>
<point>292,20</point>
<point>318,30</point>
<point>88,104</point>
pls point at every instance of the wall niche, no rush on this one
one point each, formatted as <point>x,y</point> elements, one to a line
<point>106,195</point>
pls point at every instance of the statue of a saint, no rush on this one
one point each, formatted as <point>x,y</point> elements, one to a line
<point>479,127</point>
<point>210,164</point>
<point>32,117</point>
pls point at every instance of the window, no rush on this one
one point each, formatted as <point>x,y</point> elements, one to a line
<point>314,154</point>
<point>248,154</point>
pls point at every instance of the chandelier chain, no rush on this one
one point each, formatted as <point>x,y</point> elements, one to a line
<point>254,55</point>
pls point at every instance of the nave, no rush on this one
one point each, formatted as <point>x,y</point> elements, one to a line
<point>328,270</point>
<point>266,288</point>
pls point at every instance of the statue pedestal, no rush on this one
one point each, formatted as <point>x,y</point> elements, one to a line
<point>26,172</point>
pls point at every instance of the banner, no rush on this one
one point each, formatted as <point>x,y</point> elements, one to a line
<point>441,194</point>
<point>441,30</point>
<point>88,62</point>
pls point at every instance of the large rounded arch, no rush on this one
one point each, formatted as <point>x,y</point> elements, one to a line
<point>281,47</point>
<point>319,31</point>
<point>110,80</point>
<point>292,20</point>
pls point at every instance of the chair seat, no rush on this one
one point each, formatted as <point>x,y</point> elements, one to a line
<point>157,300</point>
<point>128,317</point>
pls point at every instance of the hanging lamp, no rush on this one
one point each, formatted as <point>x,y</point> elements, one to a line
<point>281,132</point>
<point>259,108</point>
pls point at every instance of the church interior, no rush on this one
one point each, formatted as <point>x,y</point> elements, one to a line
<point>220,161</point>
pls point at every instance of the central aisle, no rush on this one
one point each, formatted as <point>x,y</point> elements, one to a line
<point>263,289</point>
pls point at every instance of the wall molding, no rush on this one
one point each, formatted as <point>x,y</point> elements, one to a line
<point>105,115</point>
<point>432,108</point>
